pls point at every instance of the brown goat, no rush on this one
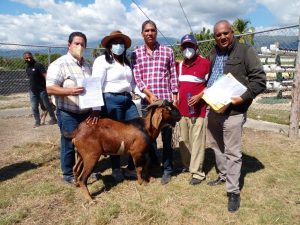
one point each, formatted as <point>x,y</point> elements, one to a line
<point>111,137</point>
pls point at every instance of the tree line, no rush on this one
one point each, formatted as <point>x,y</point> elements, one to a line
<point>240,26</point>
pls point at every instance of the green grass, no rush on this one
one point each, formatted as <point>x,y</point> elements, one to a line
<point>271,115</point>
<point>273,100</point>
<point>32,192</point>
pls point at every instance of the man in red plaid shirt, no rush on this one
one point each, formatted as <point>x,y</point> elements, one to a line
<point>155,74</point>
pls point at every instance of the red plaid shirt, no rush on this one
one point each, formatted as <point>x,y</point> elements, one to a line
<point>157,72</point>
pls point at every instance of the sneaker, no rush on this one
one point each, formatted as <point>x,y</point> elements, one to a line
<point>36,125</point>
<point>70,180</point>
<point>166,178</point>
<point>52,121</point>
<point>130,174</point>
<point>218,181</point>
<point>117,175</point>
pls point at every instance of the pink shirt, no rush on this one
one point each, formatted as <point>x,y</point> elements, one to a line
<point>155,72</point>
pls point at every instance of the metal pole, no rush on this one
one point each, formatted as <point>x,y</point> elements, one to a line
<point>295,107</point>
<point>49,56</point>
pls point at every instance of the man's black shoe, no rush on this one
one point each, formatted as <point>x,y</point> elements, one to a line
<point>216,182</point>
<point>195,181</point>
<point>233,202</point>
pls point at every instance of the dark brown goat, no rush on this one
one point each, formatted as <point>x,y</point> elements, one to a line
<point>111,137</point>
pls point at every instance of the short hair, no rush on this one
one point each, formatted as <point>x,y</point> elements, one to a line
<point>222,21</point>
<point>77,34</point>
<point>148,22</point>
<point>27,53</point>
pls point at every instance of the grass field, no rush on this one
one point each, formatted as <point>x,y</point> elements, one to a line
<point>32,192</point>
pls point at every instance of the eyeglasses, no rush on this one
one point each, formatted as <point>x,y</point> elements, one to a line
<point>223,33</point>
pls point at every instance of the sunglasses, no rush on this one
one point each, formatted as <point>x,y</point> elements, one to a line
<point>223,33</point>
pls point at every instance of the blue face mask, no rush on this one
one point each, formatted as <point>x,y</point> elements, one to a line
<point>118,49</point>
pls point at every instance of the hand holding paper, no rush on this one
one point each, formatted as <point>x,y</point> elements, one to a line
<point>220,93</point>
<point>92,96</point>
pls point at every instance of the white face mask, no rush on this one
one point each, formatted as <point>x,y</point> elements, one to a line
<point>78,52</point>
<point>188,53</point>
<point>118,49</point>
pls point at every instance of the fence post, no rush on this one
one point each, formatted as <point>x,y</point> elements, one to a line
<point>49,56</point>
<point>295,107</point>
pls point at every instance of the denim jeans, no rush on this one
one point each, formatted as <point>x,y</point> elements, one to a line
<point>35,98</point>
<point>119,106</point>
<point>67,123</point>
<point>167,157</point>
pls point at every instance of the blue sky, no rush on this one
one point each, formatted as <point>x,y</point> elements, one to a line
<point>49,21</point>
<point>261,17</point>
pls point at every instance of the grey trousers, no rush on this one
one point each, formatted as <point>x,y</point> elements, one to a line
<point>225,138</point>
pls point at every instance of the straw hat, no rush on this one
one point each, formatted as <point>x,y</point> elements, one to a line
<point>116,34</point>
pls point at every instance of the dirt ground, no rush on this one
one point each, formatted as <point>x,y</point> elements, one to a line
<point>18,130</point>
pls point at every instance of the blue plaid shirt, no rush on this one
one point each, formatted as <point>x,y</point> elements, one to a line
<point>217,69</point>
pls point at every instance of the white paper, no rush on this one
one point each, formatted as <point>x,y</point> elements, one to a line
<point>223,89</point>
<point>92,97</point>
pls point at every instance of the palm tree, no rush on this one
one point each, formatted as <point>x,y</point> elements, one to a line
<point>240,26</point>
<point>205,35</point>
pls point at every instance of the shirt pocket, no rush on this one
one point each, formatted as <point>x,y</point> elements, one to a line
<point>234,62</point>
<point>234,66</point>
<point>237,68</point>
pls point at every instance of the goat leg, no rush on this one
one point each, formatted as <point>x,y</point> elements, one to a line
<point>89,163</point>
<point>77,169</point>
<point>139,170</point>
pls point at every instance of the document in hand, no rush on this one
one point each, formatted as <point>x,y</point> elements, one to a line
<point>219,94</point>
<point>92,97</point>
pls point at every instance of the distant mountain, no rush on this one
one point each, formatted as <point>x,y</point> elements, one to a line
<point>138,42</point>
<point>285,42</point>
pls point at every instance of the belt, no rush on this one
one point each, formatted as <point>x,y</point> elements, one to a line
<point>120,93</point>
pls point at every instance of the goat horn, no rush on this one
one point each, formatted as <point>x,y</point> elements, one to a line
<point>157,103</point>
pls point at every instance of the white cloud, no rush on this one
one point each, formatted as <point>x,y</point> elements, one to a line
<point>287,12</point>
<point>59,18</point>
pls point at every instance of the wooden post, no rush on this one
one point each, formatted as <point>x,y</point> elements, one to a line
<point>295,107</point>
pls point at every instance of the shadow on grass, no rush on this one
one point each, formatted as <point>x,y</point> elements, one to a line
<point>250,164</point>
<point>9,172</point>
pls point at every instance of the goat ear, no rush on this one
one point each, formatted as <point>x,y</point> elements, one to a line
<point>156,119</point>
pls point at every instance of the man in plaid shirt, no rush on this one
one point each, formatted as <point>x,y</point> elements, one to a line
<point>61,82</point>
<point>155,74</point>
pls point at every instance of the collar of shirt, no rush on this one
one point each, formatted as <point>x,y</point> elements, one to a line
<point>75,60</point>
<point>156,47</point>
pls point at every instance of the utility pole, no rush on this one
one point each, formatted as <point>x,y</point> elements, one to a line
<point>295,107</point>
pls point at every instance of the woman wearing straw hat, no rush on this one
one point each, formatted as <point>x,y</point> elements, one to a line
<point>117,84</point>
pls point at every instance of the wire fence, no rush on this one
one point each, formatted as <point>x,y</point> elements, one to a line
<point>277,49</point>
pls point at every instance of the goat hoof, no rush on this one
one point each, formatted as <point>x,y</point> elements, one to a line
<point>152,179</point>
<point>140,182</point>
